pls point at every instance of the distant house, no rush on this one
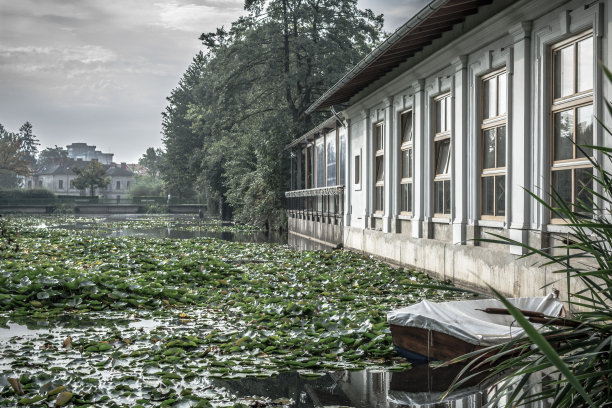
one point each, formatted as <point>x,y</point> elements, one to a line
<point>59,178</point>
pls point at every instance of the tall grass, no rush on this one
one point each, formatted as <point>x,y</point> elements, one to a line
<point>571,365</point>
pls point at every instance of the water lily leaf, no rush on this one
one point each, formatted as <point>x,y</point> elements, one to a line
<point>63,398</point>
<point>56,391</point>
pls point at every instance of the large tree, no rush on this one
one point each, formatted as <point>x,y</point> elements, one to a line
<point>15,158</point>
<point>92,177</point>
<point>152,160</point>
<point>239,104</point>
<point>51,156</point>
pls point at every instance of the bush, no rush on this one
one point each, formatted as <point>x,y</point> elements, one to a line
<point>27,197</point>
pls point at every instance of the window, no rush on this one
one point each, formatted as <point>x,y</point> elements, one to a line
<point>493,146</point>
<point>29,183</point>
<point>358,169</point>
<point>72,184</point>
<point>342,157</point>
<point>572,121</point>
<point>309,167</point>
<point>406,162</point>
<point>40,183</point>
<point>442,151</point>
<point>379,167</point>
<point>330,151</point>
<point>320,152</point>
<point>60,184</point>
<point>127,185</point>
<point>118,185</point>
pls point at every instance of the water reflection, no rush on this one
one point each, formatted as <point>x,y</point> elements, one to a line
<point>197,232</point>
<point>420,387</point>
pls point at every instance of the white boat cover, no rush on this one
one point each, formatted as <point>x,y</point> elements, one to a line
<point>463,319</point>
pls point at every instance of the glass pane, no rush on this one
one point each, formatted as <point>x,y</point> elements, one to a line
<point>439,108</point>
<point>564,132</point>
<point>582,195</point>
<point>448,110</point>
<point>488,149</point>
<point>500,195</point>
<point>404,197</point>
<point>447,197</point>
<point>564,71</point>
<point>331,160</point>
<point>303,169</point>
<point>501,93</point>
<point>562,184</point>
<point>409,199</point>
<point>584,130</point>
<point>487,196</point>
<point>501,146</point>
<point>379,137</point>
<point>438,197</point>
<point>585,64</point>
<point>320,163</point>
<point>406,163</point>
<point>379,198</point>
<point>442,156</point>
<point>357,169</point>
<point>490,99</point>
<point>342,158</point>
<point>310,167</point>
<point>410,163</point>
<point>406,127</point>
<point>380,168</point>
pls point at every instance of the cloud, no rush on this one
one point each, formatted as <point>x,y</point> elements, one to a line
<point>189,17</point>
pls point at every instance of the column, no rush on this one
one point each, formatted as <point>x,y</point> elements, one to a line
<point>390,144</point>
<point>418,145</point>
<point>459,152</point>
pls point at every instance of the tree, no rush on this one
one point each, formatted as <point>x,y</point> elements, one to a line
<point>14,159</point>
<point>29,141</point>
<point>51,156</point>
<point>92,177</point>
<point>242,102</point>
<point>152,160</point>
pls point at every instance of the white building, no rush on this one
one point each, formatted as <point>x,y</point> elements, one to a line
<point>448,124</point>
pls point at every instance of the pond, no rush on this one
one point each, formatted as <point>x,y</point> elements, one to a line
<point>93,315</point>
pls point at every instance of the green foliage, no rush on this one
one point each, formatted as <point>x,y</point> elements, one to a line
<point>51,156</point>
<point>36,197</point>
<point>15,157</point>
<point>241,103</point>
<point>146,186</point>
<point>573,363</point>
<point>92,177</point>
<point>152,160</point>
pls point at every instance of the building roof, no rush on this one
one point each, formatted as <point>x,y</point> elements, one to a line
<point>119,172</point>
<point>429,24</point>
<point>328,124</point>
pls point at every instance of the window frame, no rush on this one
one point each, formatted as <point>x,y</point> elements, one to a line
<point>379,154</point>
<point>403,147</point>
<point>438,139</point>
<point>571,102</point>
<point>493,123</point>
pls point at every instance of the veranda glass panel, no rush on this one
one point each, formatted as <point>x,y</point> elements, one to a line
<point>584,130</point>
<point>490,98</point>
<point>585,65</point>
<point>564,71</point>
<point>487,196</point>
<point>331,160</point>
<point>501,146</point>
<point>438,197</point>
<point>342,159</point>
<point>500,195</point>
<point>447,197</point>
<point>404,197</point>
<point>379,137</point>
<point>488,149</point>
<point>409,197</point>
<point>440,116</point>
<point>448,111</point>
<point>406,163</point>
<point>320,152</point>
<point>582,184</point>
<point>379,198</point>
<point>564,132</point>
<point>562,184</point>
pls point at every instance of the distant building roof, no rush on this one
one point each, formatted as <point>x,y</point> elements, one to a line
<point>119,172</point>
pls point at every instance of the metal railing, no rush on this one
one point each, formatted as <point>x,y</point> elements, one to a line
<point>316,202</point>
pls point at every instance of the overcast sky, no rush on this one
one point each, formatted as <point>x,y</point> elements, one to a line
<point>98,71</point>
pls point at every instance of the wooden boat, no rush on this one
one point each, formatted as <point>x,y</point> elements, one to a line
<point>429,331</point>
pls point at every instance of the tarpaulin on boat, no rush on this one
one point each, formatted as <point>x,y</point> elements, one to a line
<point>466,320</point>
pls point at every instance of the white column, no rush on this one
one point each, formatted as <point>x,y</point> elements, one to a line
<point>368,167</point>
<point>459,152</point>
<point>418,145</point>
<point>348,175</point>
<point>390,164</point>
<point>518,171</point>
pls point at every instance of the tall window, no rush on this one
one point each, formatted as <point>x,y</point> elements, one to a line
<point>118,186</point>
<point>320,152</point>
<point>442,151</point>
<point>330,141</point>
<point>342,157</point>
<point>493,143</point>
<point>379,166</point>
<point>406,162</point>
<point>309,167</point>
<point>572,120</point>
<point>60,184</point>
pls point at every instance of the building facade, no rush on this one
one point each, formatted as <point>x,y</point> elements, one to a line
<point>451,122</point>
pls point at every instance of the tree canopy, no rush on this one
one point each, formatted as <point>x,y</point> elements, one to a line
<point>92,177</point>
<point>239,104</point>
<point>17,154</point>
